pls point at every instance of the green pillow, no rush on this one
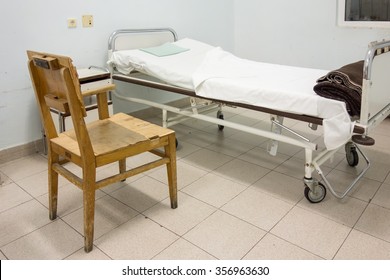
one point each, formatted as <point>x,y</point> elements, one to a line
<point>164,50</point>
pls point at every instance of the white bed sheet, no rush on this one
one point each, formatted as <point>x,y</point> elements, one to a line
<point>174,69</point>
<point>215,73</point>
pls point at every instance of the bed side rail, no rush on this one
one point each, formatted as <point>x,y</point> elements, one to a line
<point>376,85</point>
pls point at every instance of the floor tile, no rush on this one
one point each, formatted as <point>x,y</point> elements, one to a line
<point>295,167</point>
<point>274,248</point>
<point>235,202</point>
<point>262,158</point>
<point>70,199</point>
<point>244,119</point>
<point>189,213</point>
<point>137,239</point>
<point>229,147</point>
<point>54,241</point>
<point>378,154</point>
<point>196,123</point>
<point>382,197</point>
<point>290,166</point>
<point>142,194</point>
<point>283,148</point>
<point>95,254</point>
<point>4,179</point>
<point>19,221</point>
<point>184,149</point>
<point>109,214</point>
<point>24,167</point>
<point>199,138</point>
<point>225,133</point>
<point>257,208</point>
<point>37,184</point>
<point>241,171</point>
<point>376,222</point>
<point>248,138</point>
<point>362,246</point>
<point>12,195</point>
<point>345,211</point>
<point>387,180</point>
<point>181,130</point>
<point>206,159</point>
<point>225,236</point>
<point>140,159</point>
<point>186,174</point>
<point>377,171</point>
<point>312,232</point>
<point>281,186</point>
<point>214,190</point>
<point>365,188</point>
<point>183,250</point>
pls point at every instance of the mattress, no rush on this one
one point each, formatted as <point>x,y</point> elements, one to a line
<point>217,74</point>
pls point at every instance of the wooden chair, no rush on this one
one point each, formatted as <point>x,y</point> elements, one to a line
<point>102,142</point>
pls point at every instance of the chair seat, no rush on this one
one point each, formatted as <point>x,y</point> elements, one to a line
<point>111,136</point>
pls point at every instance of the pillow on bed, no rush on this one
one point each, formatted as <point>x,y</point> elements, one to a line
<point>185,49</point>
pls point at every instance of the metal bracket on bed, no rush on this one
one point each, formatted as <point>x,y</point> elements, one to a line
<point>197,106</point>
<point>276,127</point>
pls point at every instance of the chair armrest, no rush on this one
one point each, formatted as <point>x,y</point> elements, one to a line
<point>95,91</point>
<point>101,99</point>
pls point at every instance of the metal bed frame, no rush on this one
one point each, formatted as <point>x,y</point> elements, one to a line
<point>314,191</point>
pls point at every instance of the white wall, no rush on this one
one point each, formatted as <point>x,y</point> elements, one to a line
<point>298,32</point>
<point>41,25</point>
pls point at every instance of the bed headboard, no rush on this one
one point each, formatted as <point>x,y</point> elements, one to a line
<point>127,39</point>
<point>376,84</point>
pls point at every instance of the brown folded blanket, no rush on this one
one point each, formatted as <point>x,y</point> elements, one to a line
<point>344,84</point>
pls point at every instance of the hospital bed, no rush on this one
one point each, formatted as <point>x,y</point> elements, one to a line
<point>155,58</point>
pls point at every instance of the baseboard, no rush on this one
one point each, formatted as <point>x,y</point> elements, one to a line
<point>20,151</point>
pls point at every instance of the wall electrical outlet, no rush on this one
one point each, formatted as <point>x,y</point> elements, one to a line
<point>87,20</point>
<point>72,23</point>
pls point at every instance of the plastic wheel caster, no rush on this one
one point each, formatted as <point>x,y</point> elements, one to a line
<point>351,155</point>
<point>317,195</point>
<point>221,117</point>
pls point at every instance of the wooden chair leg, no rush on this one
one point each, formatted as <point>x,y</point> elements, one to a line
<point>122,167</point>
<point>89,208</point>
<point>53,185</point>
<point>170,151</point>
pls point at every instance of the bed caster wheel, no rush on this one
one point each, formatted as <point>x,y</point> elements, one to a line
<point>221,117</point>
<point>317,194</point>
<point>351,154</point>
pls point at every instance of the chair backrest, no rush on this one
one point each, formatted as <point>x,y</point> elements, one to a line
<point>56,85</point>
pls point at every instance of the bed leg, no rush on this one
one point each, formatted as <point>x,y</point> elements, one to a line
<point>164,118</point>
<point>308,163</point>
<point>193,105</point>
<point>272,147</point>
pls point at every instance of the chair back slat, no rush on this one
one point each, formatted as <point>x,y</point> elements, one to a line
<point>57,86</point>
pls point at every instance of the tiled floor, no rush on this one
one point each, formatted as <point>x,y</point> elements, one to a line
<point>235,202</point>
